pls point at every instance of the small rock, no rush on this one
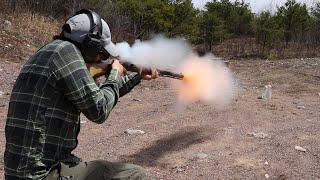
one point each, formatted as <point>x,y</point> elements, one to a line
<point>179,169</point>
<point>301,107</point>
<point>7,24</point>
<point>298,148</point>
<point>267,94</point>
<point>266,163</point>
<point>28,45</point>
<point>201,156</point>
<point>3,93</point>
<point>10,45</point>
<point>267,176</point>
<point>139,100</point>
<point>133,131</point>
<point>258,135</point>
<point>83,121</point>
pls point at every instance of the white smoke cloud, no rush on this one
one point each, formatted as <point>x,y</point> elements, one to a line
<point>159,52</point>
<point>206,79</point>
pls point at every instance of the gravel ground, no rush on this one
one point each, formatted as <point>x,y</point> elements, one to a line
<point>204,142</point>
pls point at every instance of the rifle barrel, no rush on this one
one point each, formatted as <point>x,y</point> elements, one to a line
<point>171,75</point>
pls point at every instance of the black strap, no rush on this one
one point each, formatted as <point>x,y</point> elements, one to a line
<point>95,24</point>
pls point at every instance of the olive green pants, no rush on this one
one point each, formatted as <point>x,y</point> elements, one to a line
<point>97,170</point>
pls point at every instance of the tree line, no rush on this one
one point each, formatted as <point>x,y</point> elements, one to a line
<point>291,23</point>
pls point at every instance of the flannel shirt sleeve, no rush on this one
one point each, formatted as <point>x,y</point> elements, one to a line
<point>129,82</point>
<point>72,77</point>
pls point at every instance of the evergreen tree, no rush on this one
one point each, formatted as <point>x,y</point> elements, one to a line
<point>294,18</point>
<point>184,20</point>
<point>316,14</point>
<point>146,16</point>
<point>267,29</point>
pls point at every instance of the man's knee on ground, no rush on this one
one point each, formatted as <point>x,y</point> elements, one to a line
<point>138,171</point>
<point>121,169</point>
<point>135,171</point>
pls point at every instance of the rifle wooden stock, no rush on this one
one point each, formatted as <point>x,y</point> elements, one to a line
<point>102,68</point>
<point>99,69</point>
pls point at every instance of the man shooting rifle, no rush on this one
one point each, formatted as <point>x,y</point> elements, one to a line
<point>52,89</point>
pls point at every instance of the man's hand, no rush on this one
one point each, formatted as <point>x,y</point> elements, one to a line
<point>116,65</point>
<point>149,73</point>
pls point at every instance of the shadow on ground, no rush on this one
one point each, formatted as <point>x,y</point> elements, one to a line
<point>169,144</point>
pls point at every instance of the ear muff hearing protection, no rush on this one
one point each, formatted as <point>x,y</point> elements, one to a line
<point>93,38</point>
<point>92,44</point>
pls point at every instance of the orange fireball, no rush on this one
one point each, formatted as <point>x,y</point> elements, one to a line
<point>205,80</point>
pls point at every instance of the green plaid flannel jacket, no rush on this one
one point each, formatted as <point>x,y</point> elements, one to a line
<point>52,89</point>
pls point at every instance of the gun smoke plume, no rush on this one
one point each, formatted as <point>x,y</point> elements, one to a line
<point>206,78</point>
<point>159,52</point>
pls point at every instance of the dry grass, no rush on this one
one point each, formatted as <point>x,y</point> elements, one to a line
<point>27,33</point>
<point>249,48</point>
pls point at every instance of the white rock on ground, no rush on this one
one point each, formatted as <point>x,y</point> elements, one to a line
<point>3,93</point>
<point>258,135</point>
<point>134,131</point>
<point>201,156</point>
<point>267,176</point>
<point>7,25</point>
<point>301,107</point>
<point>267,94</point>
<point>83,121</point>
<point>299,148</point>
